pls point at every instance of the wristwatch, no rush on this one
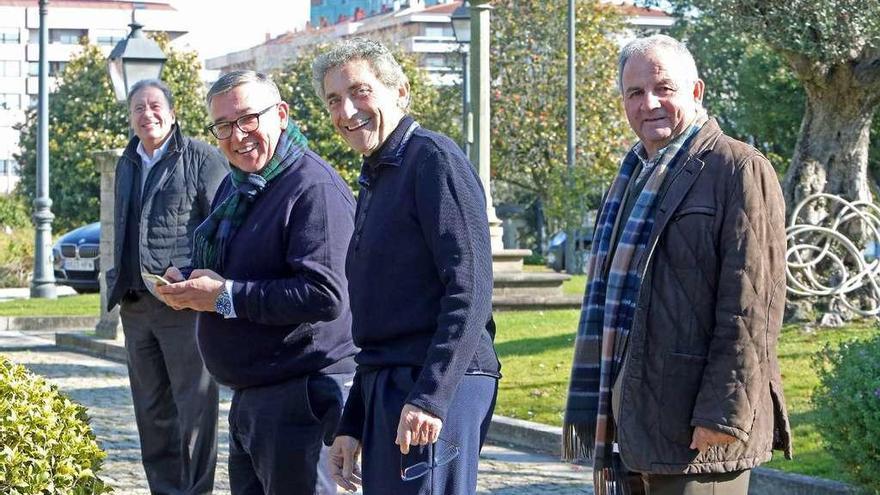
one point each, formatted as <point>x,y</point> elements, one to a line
<point>223,303</point>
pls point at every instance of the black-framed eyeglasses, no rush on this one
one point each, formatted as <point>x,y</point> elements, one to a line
<point>246,124</point>
<point>449,452</point>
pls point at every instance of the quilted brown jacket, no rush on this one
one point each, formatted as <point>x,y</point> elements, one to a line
<point>702,350</point>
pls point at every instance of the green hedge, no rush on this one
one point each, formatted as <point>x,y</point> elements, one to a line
<point>848,408</point>
<point>46,444</point>
<point>16,256</point>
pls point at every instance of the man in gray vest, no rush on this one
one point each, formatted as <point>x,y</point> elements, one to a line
<point>165,183</point>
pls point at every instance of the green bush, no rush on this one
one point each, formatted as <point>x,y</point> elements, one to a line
<point>16,256</point>
<point>14,212</point>
<point>46,444</point>
<point>847,403</point>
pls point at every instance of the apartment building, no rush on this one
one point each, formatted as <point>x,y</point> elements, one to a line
<point>421,27</point>
<point>103,22</point>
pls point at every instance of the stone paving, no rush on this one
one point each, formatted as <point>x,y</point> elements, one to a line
<point>102,386</point>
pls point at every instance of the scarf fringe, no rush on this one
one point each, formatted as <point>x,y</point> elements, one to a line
<point>578,441</point>
<point>617,480</point>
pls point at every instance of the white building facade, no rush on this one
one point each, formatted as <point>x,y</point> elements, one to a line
<point>102,22</point>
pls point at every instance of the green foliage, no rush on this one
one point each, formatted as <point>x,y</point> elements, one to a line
<point>46,444</point>
<point>14,212</point>
<point>430,106</point>
<point>529,106</point>
<point>84,117</point>
<point>829,32</point>
<point>16,256</point>
<point>848,405</point>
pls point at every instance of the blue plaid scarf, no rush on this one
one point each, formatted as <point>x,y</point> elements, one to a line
<point>608,310</point>
<point>212,236</point>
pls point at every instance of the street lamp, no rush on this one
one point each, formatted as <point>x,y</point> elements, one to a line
<point>461,27</point>
<point>134,59</point>
<point>43,281</point>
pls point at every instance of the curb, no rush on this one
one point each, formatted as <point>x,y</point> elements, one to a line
<point>113,350</point>
<point>764,481</point>
<point>30,323</point>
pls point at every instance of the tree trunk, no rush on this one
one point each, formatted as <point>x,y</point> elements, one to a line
<point>831,154</point>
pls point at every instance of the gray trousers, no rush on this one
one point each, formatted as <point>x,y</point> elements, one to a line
<point>735,483</point>
<point>175,399</point>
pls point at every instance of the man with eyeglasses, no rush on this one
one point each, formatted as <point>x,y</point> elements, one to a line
<point>165,183</point>
<point>269,282</point>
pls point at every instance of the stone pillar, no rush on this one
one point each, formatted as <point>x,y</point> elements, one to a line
<point>109,325</point>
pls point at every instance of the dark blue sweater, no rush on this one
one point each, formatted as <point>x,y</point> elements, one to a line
<point>289,292</point>
<point>420,270</point>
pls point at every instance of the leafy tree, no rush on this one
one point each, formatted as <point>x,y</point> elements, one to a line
<point>833,49</point>
<point>429,106</point>
<point>529,107</point>
<point>85,117</point>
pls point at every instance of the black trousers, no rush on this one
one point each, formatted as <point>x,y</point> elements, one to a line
<point>465,428</point>
<point>278,435</point>
<point>175,399</point>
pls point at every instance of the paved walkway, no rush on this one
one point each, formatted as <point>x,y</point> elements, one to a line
<point>102,386</point>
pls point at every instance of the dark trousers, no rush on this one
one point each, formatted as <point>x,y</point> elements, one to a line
<point>466,424</point>
<point>175,399</point>
<point>735,483</point>
<point>278,435</point>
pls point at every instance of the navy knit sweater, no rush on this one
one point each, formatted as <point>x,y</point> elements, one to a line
<point>289,292</point>
<point>420,270</point>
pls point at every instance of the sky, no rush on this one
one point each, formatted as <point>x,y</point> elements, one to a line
<point>218,27</point>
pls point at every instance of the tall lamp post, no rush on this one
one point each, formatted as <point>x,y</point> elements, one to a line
<point>43,282</point>
<point>480,91</point>
<point>134,59</point>
<point>461,26</point>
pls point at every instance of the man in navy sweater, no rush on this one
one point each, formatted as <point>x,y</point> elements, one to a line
<point>420,279</point>
<point>275,323</point>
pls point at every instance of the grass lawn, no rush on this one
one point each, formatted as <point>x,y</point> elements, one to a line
<point>535,348</point>
<point>79,305</point>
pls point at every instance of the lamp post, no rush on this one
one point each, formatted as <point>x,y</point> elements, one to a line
<point>134,59</point>
<point>43,282</point>
<point>461,26</point>
<point>570,265</point>
<point>480,92</point>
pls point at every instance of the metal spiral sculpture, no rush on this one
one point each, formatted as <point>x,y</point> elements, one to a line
<point>821,261</point>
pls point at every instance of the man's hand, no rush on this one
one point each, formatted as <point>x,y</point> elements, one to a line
<point>704,438</point>
<point>198,292</point>
<point>416,427</point>
<point>344,462</point>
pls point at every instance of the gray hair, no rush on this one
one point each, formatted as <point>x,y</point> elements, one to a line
<point>151,83</point>
<point>652,44</point>
<point>234,79</point>
<point>380,59</point>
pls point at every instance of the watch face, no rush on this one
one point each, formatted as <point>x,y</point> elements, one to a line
<point>223,305</point>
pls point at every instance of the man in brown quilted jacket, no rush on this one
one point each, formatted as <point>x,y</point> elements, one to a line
<point>694,224</point>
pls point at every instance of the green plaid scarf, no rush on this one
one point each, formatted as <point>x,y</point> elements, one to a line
<point>212,236</point>
<point>607,314</point>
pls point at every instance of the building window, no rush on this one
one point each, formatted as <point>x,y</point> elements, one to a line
<point>109,40</point>
<point>10,68</point>
<point>55,68</point>
<point>9,168</point>
<point>438,31</point>
<point>10,101</point>
<point>317,3</point>
<point>66,36</point>
<point>9,36</point>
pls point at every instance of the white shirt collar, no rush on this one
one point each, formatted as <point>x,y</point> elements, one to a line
<point>147,160</point>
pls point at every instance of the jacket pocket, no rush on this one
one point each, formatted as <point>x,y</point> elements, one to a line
<point>688,239</point>
<point>682,376</point>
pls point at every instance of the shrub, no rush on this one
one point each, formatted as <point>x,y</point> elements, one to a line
<point>46,444</point>
<point>14,212</point>
<point>16,256</point>
<point>847,403</point>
